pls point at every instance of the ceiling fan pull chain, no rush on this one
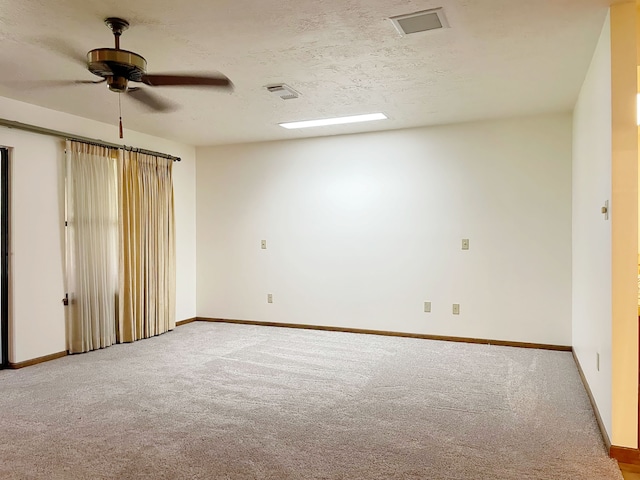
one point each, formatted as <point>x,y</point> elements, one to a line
<point>120,112</point>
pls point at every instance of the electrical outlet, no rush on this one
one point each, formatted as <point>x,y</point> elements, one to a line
<point>427,307</point>
<point>465,244</point>
<point>597,361</point>
<point>263,244</point>
<point>456,309</point>
<point>269,298</point>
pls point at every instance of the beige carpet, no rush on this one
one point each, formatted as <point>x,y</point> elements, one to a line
<point>221,401</point>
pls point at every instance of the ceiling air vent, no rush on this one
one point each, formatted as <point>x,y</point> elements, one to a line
<point>425,20</point>
<point>285,92</point>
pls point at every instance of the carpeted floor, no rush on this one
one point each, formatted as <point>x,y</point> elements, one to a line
<point>222,401</point>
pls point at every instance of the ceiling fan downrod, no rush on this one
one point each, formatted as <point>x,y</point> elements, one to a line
<point>117,26</point>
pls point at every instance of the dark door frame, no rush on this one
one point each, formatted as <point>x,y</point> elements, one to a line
<point>4,256</point>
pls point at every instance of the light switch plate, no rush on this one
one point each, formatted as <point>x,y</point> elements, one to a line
<point>456,309</point>
<point>427,307</point>
<point>263,244</point>
<point>269,298</point>
<point>465,244</point>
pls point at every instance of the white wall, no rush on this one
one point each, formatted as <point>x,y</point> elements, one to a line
<point>591,326</point>
<point>36,325</point>
<point>362,229</point>
<point>37,249</point>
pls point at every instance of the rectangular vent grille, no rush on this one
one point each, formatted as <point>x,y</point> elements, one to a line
<point>423,21</point>
<point>285,92</point>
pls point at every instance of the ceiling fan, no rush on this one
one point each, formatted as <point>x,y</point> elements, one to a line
<point>118,67</point>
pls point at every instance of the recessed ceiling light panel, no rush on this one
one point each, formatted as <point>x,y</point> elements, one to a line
<point>335,121</point>
<point>423,21</point>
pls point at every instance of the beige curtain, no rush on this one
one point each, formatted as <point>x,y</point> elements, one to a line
<point>91,244</point>
<point>147,247</point>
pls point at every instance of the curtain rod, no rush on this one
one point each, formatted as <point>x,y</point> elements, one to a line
<point>56,133</point>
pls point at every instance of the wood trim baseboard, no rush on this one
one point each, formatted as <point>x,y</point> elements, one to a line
<point>629,456</point>
<point>594,406</point>
<point>627,467</point>
<point>35,361</point>
<point>184,322</point>
<point>504,343</point>
<point>53,356</point>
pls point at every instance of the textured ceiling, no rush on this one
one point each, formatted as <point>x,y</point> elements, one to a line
<point>499,58</point>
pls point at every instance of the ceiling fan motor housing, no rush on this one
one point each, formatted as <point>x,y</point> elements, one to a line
<point>117,66</point>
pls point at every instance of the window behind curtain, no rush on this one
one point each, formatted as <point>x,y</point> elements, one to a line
<point>91,246</point>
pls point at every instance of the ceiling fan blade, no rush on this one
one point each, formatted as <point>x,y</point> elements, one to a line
<point>38,84</point>
<point>187,80</point>
<point>150,100</point>
<point>64,48</point>
<point>82,82</point>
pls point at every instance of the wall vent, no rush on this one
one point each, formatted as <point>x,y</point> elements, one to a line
<point>285,92</point>
<point>423,21</point>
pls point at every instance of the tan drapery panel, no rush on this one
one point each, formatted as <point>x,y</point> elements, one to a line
<point>147,247</point>
<point>91,243</point>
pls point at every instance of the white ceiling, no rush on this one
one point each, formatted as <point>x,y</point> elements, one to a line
<point>499,58</point>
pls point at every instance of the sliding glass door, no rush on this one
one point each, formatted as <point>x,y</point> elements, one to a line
<point>4,257</point>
